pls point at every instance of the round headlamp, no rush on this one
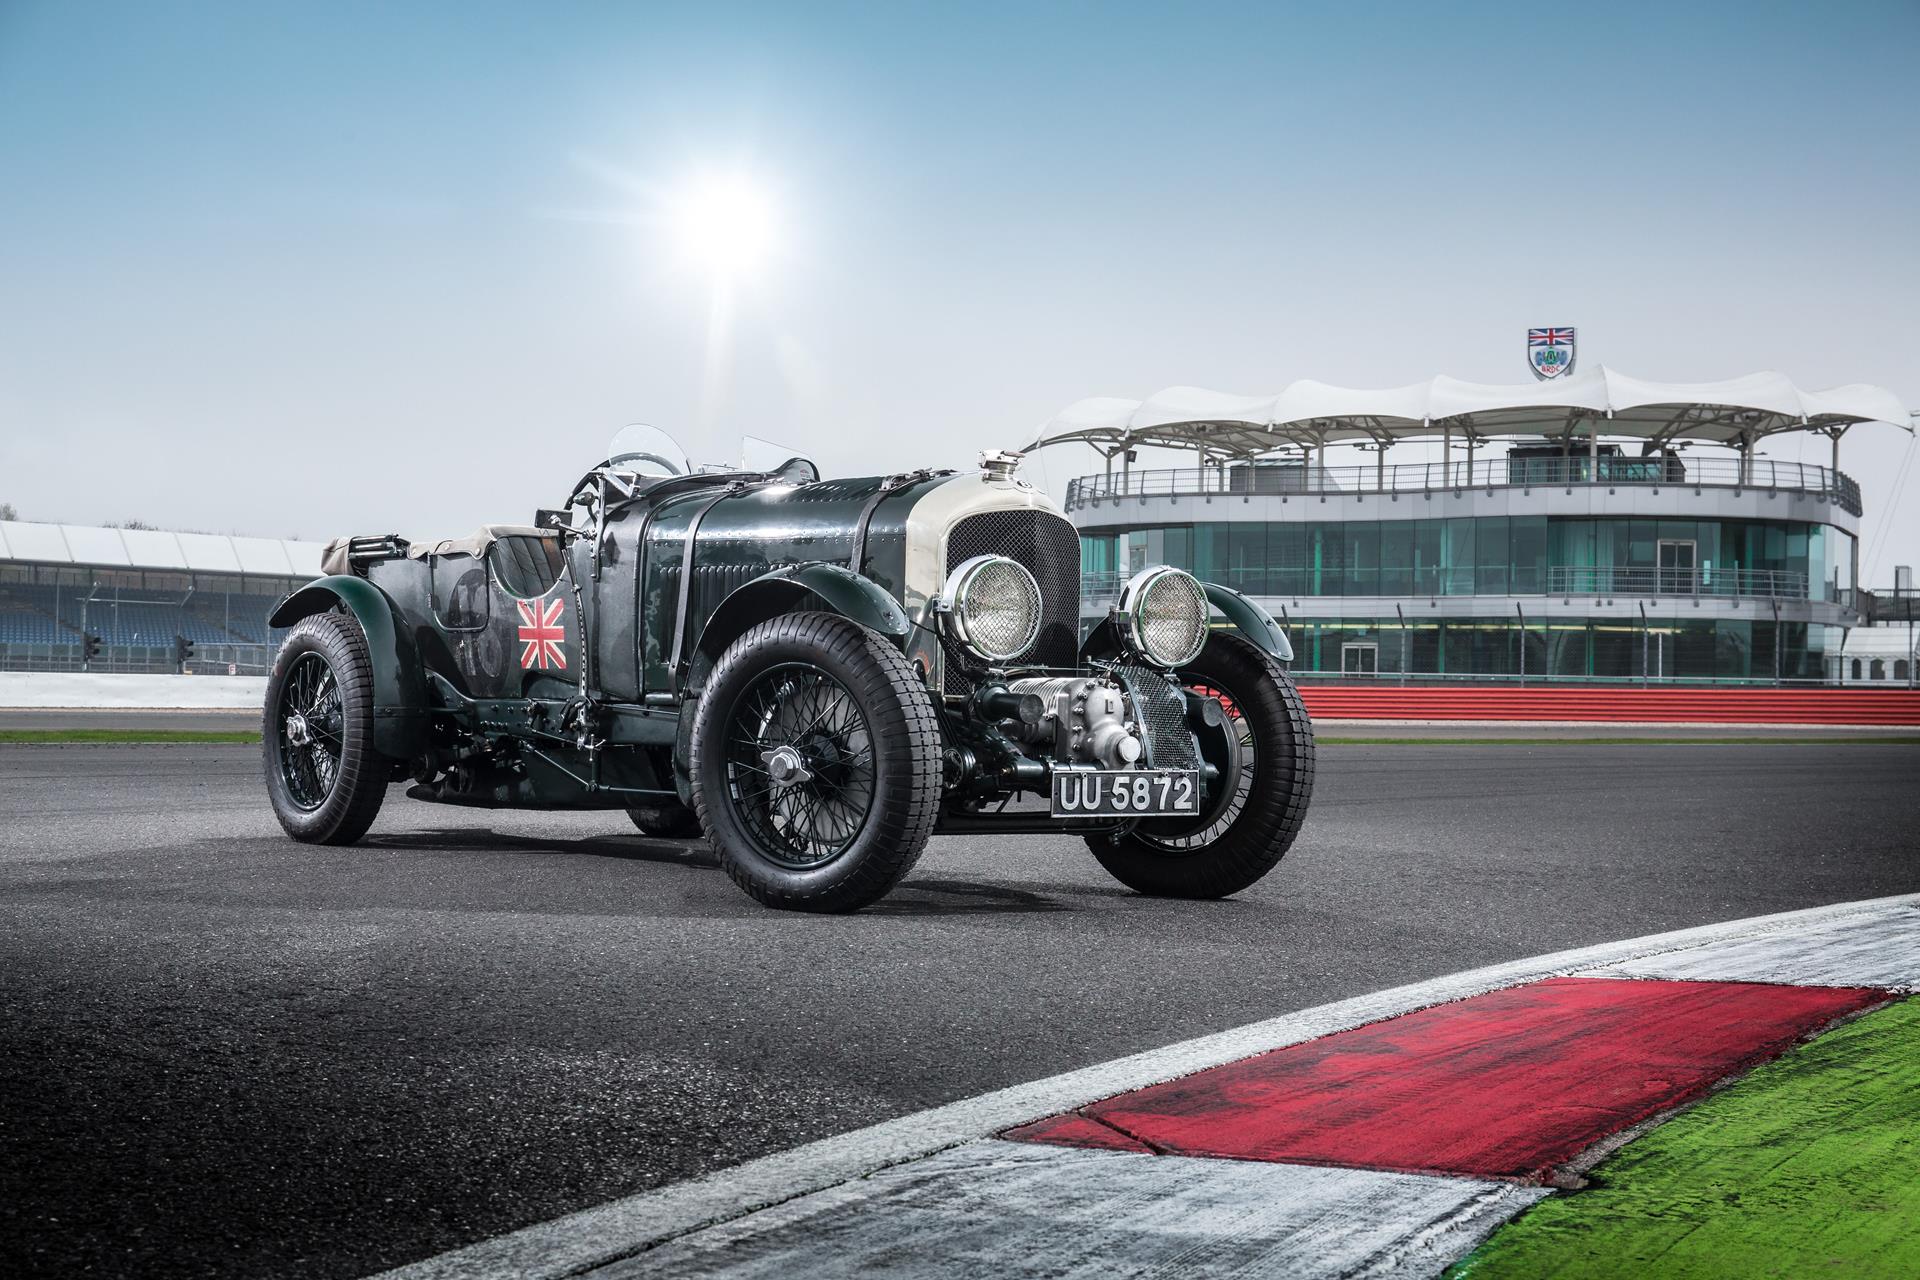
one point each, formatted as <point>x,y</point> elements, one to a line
<point>1164,616</point>
<point>992,607</point>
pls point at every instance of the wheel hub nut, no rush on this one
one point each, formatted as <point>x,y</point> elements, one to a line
<point>298,732</point>
<point>785,766</point>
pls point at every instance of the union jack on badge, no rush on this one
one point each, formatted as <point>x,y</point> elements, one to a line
<point>1550,352</point>
<point>541,634</point>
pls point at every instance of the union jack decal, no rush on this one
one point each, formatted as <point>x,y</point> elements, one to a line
<point>1549,337</point>
<point>541,635</point>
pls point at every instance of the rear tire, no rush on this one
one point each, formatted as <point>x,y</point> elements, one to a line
<point>816,763</point>
<point>1231,848</point>
<point>667,820</point>
<point>324,777</point>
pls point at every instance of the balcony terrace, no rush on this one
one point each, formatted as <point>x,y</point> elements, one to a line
<point>1573,471</point>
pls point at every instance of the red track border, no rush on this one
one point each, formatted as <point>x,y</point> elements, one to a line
<point>1895,707</point>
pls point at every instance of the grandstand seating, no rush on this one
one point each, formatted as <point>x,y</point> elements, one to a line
<point>246,618</point>
<point>27,617</point>
<point>40,615</point>
<point>23,625</point>
<point>138,608</point>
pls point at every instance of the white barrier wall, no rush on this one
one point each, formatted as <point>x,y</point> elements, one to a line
<point>78,689</point>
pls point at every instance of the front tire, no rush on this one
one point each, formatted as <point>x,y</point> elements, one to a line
<point>816,763</point>
<point>1242,836</point>
<point>324,777</point>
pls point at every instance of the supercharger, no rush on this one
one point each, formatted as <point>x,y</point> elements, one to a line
<point>1087,719</point>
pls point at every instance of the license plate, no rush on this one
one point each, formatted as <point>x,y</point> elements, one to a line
<point>1136,793</point>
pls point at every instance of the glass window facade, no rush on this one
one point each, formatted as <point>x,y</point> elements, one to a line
<point>1659,561</point>
<point>1659,648</point>
<point>1497,555</point>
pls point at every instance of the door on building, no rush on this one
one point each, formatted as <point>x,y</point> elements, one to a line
<point>1677,574</point>
<point>1660,655</point>
<point>1359,659</point>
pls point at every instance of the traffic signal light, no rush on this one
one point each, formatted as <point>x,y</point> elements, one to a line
<point>90,649</point>
<point>182,652</point>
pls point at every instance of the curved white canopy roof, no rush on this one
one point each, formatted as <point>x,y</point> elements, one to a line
<point>157,549</point>
<point>1308,413</point>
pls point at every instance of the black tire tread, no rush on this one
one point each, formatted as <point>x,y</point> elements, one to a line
<point>361,788</point>
<point>1265,829</point>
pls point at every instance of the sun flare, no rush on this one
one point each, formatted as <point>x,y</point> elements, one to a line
<point>725,224</point>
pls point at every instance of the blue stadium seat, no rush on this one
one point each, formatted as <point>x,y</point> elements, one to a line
<point>26,617</point>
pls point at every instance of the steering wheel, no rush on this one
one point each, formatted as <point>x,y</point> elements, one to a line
<point>670,468</point>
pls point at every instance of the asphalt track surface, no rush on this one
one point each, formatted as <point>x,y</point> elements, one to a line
<point>225,1054</point>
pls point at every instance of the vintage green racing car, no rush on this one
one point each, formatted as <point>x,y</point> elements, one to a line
<point>817,675</point>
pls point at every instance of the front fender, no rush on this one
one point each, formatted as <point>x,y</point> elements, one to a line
<point>1246,617</point>
<point>817,585</point>
<point>399,700</point>
<point>1250,620</point>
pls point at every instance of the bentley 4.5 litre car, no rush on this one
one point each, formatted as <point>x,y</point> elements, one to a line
<point>817,675</point>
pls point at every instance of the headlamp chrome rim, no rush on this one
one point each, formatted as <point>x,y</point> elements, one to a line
<point>1138,595</point>
<point>964,627</point>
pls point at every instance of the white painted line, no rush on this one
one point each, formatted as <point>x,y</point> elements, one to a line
<point>579,1242</point>
<point>1021,1210</point>
<point>1883,951</point>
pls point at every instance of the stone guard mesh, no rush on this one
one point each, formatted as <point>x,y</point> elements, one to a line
<point>1163,715</point>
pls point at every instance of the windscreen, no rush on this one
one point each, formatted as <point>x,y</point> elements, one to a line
<point>768,458</point>
<point>647,451</point>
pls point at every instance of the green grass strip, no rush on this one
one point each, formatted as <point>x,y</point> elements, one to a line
<point>1810,1166</point>
<point>128,735</point>
<point>1783,740</point>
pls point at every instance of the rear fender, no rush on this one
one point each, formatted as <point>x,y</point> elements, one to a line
<point>399,698</point>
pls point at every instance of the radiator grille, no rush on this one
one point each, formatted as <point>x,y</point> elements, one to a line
<point>1049,547</point>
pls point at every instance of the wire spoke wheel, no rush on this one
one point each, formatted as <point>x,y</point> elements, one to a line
<point>324,775</point>
<point>800,766</point>
<point>308,722</point>
<point>1246,828</point>
<point>815,762</point>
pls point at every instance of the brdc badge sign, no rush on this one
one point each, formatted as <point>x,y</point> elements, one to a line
<point>1550,353</point>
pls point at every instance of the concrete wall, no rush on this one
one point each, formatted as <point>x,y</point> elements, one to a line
<point>78,689</point>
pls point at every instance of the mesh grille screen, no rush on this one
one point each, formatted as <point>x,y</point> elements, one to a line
<point>1050,548</point>
<point>1163,714</point>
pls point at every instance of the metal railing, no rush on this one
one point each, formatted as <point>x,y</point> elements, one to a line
<point>208,659</point>
<point>1618,580</point>
<point>1884,604</point>
<point>1262,479</point>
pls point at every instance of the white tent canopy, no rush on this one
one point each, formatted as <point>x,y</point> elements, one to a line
<point>157,549</point>
<point>1737,412</point>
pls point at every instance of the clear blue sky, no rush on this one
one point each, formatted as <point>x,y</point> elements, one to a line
<point>304,268</point>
